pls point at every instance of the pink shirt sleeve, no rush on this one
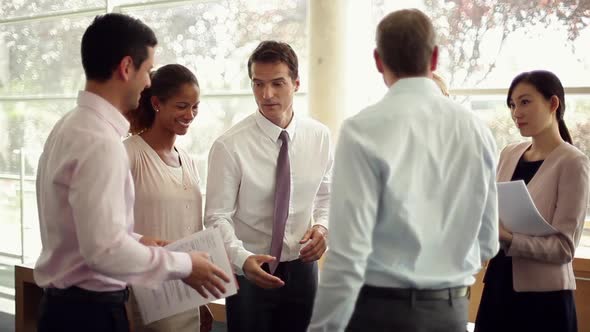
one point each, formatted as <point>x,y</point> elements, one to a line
<point>101,197</point>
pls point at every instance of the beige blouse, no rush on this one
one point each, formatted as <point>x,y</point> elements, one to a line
<point>165,207</point>
<point>168,206</point>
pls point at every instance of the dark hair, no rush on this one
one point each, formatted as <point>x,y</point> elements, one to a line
<point>405,42</point>
<point>549,85</point>
<point>166,82</point>
<point>109,39</point>
<point>271,51</point>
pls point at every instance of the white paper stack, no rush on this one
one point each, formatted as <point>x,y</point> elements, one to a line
<point>518,212</point>
<point>174,297</point>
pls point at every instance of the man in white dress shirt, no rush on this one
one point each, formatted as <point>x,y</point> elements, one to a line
<point>268,189</point>
<point>85,195</point>
<point>414,207</point>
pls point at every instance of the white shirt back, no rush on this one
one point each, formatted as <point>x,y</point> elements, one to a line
<point>414,201</point>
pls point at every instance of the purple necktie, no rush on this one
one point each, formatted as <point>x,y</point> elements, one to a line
<point>282,195</point>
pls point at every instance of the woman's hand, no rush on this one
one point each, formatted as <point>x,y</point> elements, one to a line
<point>505,235</point>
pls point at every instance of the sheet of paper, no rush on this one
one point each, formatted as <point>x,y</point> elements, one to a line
<point>518,212</point>
<point>174,297</point>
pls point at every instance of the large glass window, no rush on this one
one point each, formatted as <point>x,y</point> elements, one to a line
<point>42,57</point>
<point>215,38</point>
<point>41,72</point>
<point>31,8</point>
<point>485,43</point>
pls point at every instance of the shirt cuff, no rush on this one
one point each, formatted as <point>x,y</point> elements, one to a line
<point>136,236</point>
<point>183,265</point>
<point>321,222</point>
<point>239,260</point>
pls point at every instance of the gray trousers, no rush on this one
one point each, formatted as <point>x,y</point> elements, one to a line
<point>376,312</point>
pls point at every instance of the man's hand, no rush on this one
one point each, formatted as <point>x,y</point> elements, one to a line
<point>317,246</point>
<point>205,275</point>
<point>206,319</point>
<point>257,275</point>
<point>153,242</point>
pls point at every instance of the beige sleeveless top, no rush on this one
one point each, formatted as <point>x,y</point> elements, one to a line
<point>168,206</point>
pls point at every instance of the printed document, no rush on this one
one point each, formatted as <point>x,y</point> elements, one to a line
<point>174,297</point>
<point>518,212</point>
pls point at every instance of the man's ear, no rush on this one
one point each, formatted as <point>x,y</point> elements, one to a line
<point>378,61</point>
<point>125,68</point>
<point>297,84</point>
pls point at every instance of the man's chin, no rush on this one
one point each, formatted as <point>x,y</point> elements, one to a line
<point>271,109</point>
<point>131,107</point>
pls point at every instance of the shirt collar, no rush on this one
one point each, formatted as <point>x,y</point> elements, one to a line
<point>105,110</point>
<point>272,130</point>
<point>423,85</point>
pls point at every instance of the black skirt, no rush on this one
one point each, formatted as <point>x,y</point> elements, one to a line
<point>503,309</point>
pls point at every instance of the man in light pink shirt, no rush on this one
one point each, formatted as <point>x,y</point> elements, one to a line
<point>85,195</point>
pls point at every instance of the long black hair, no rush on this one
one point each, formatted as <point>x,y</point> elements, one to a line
<point>549,85</point>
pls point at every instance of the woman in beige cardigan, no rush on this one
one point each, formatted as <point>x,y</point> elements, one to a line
<point>529,284</point>
<point>168,199</point>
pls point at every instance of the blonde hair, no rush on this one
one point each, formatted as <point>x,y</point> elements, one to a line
<point>441,84</point>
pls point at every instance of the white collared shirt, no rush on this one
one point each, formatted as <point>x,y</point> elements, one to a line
<point>414,201</point>
<point>241,185</point>
<point>85,201</point>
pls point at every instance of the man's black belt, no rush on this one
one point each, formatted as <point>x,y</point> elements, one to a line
<point>416,294</point>
<point>77,294</point>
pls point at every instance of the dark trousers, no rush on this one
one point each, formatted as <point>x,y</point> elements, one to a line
<point>503,309</point>
<point>375,311</point>
<point>285,309</point>
<point>76,310</point>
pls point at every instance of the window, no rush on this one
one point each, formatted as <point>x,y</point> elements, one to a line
<point>41,72</point>
<point>21,9</point>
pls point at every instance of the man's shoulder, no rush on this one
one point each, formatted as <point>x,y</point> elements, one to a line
<point>88,122</point>
<point>464,118</point>
<point>235,133</point>
<point>371,117</point>
<point>313,126</point>
<point>85,131</point>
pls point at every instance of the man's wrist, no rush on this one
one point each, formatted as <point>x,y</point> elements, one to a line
<point>240,260</point>
<point>321,228</point>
